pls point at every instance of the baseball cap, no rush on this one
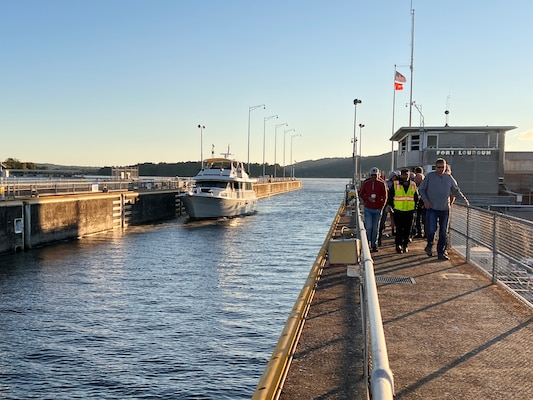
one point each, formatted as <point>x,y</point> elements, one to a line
<point>374,171</point>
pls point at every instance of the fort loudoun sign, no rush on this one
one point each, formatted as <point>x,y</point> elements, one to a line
<point>458,152</point>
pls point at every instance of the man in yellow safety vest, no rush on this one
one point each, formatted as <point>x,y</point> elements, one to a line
<point>403,197</point>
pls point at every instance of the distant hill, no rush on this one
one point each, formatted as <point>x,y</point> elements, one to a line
<point>324,168</point>
<point>340,167</point>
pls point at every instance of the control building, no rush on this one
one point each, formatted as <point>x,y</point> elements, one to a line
<point>476,154</point>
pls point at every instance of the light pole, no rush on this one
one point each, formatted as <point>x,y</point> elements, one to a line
<point>275,143</point>
<point>250,109</point>
<point>292,162</point>
<point>361,126</point>
<point>264,139</point>
<point>284,136</point>
<point>355,103</point>
<point>201,127</point>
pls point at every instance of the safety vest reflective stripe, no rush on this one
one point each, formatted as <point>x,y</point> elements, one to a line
<point>404,201</point>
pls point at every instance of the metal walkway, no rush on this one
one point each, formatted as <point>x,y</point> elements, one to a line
<point>451,334</point>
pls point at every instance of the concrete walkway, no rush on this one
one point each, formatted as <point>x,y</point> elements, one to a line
<point>451,334</point>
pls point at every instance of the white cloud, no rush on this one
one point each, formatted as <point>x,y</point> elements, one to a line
<point>526,135</point>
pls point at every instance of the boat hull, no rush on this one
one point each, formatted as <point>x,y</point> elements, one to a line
<point>204,207</point>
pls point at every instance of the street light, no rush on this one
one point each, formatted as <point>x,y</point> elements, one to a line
<point>264,139</point>
<point>250,109</point>
<point>284,136</point>
<point>201,127</point>
<point>275,140</point>
<point>355,103</point>
<point>361,126</point>
<point>292,162</point>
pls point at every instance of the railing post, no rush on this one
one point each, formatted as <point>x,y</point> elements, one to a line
<point>467,243</point>
<point>494,250</point>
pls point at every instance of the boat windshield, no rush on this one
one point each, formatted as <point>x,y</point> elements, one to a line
<point>219,164</point>
<point>212,184</point>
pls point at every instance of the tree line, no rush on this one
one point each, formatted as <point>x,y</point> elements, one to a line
<point>323,168</point>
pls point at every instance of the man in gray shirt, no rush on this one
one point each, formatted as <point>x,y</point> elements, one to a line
<point>438,190</point>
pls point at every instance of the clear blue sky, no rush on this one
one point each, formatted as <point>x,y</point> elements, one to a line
<point>120,82</point>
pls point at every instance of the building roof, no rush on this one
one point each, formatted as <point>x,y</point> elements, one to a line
<point>404,131</point>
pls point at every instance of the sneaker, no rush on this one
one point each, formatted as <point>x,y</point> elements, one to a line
<point>399,249</point>
<point>443,257</point>
<point>428,251</point>
<point>406,249</point>
<point>374,249</point>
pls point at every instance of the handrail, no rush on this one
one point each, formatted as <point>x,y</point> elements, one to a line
<point>381,379</point>
<point>271,382</point>
<point>13,187</point>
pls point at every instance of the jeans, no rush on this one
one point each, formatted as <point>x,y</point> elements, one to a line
<point>441,217</point>
<point>420,220</point>
<point>372,218</point>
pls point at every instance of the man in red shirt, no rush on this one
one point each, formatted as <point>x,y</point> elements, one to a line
<point>374,195</point>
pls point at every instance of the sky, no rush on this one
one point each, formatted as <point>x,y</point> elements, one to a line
<point>122,82</point>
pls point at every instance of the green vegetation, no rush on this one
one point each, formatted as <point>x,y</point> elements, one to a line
<point>13,163</point>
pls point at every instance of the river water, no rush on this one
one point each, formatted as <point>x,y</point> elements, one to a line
<point>176,310</point>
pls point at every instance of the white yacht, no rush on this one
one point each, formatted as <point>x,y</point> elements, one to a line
<point>222,188</point>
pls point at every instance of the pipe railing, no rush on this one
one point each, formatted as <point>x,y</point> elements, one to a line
<point>16,187</point>
<point>381,377</point>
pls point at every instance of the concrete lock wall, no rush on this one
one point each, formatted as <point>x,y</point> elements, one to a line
<point>36,222</point>
<point>273,188</point>
<point>11,227</point>
<point>54,219</point>
<point>148,207</point>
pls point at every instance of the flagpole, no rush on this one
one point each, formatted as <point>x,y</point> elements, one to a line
<point>412,57</point>
<point>393,113</point>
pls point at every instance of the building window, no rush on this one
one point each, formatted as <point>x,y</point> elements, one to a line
<point>415,142</point>
<point>403,146</point>
<point>432,141</point>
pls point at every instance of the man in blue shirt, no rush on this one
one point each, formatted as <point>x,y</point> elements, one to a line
<point>438,190</point>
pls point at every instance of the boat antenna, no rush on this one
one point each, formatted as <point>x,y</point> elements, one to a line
<point>227,154</point>
<point>212,151</point>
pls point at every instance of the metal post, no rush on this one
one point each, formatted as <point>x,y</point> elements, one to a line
<point>250,109</point>
<point>361,126</point>
<point>264,139</point>
<point>202,127</point>
<point>355,103</point>
<point>275,144</point>
<point>284,136</point>
<point>292,163</point>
